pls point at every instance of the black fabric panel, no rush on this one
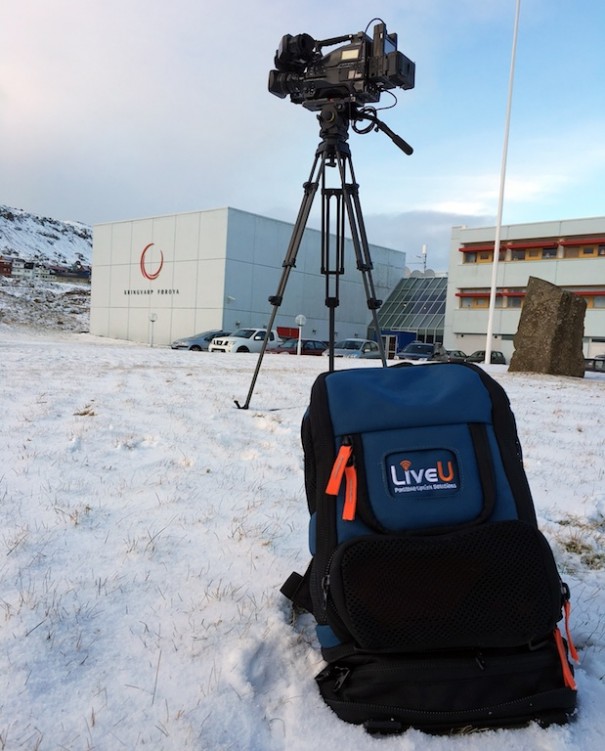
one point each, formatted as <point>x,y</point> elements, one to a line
<point>445,692</point>
<point>491,585</point>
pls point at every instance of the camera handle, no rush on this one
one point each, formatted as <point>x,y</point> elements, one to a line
<point>333,151</point>
<point>370,114</point>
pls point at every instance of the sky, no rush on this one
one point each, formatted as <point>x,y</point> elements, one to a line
<point>121,110</point>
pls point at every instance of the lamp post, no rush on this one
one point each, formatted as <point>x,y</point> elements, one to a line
<point>153,317</point>
<point>300,322</point>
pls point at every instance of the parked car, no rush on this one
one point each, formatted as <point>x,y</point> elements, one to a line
<point>449,355</point>
<point>307,347</point>
<point>361,348</point>
<point>594,363</point>
<point>198,342</point>
<point>417,351</point>
<point>497,358</point>
<point>244,340</point>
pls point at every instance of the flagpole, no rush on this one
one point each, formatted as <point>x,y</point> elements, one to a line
<point>492,297</point>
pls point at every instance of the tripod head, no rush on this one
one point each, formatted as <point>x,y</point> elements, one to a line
<point>335,118</point>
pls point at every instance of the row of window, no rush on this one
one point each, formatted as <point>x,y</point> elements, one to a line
<point>479,299</point>
<point>535,254</point>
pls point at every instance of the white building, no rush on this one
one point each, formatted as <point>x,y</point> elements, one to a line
<point>29,270</point>
<point>164,277</point>
<point>23,269</point>
<point>570,254</point>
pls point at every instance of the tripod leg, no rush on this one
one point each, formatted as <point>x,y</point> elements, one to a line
<point>332,261</point>
<point>360,242</point>
<point>289,262</point>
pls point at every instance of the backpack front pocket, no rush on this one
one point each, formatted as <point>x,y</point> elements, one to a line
<point>491,585</point>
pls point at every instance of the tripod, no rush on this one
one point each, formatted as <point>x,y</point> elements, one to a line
<point>334,152</point>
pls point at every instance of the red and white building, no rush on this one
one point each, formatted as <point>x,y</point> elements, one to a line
<point>568,253</point>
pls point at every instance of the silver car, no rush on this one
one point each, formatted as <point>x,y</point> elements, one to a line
<point>198,342</point>
<point>361,348</point>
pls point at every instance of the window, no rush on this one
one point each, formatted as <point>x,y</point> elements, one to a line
<point>470,258</point>
<point>517,255</point>
<point>571,252</point>
<point>485,256</point>
<point>601,250</point>
<point>587,251</point>
<point>514,302</point>
<point>549,252</point>
<point>534,254</point>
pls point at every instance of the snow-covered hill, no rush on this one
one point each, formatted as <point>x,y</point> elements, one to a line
<point>38,238</point>
<point>36,303</point>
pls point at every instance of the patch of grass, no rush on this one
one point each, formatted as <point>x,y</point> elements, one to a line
<point>86,411</point>
<point>585,540</point>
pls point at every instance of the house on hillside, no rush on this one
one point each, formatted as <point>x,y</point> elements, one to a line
<point>23,269</point>
<point>28,270</point>
<point>77,272</point>
<point>6,266</point>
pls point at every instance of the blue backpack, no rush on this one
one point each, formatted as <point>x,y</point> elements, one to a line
<point>437,599</point>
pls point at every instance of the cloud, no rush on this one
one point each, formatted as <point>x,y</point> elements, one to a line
<point>116,110</point>
<point>409,231</point>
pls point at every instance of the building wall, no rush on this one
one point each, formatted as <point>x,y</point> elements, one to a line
<point>167,267</point>
<point>466,322</point>
<point>217,269</point>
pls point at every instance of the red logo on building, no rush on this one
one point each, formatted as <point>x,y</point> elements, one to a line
<point>147,274</point>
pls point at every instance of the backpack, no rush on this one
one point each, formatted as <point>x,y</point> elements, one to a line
<point>436,597</point>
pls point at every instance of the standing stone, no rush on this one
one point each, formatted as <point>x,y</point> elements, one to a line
<point>551,327</point>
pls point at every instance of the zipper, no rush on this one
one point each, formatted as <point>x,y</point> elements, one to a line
<point>325,588</point>
<point>332,615</point>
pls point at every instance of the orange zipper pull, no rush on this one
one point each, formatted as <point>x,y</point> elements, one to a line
<point>344,466</point>
<point>350,505</point>
<point>338,470</point>
<point>568,677</point>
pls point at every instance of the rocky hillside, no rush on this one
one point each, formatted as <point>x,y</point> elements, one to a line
<point>36,303</point>
<point>42,305</point>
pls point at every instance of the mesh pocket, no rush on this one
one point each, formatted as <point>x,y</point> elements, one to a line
<point>492,585</point>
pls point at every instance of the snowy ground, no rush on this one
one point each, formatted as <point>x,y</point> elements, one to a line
<point>146,525</point>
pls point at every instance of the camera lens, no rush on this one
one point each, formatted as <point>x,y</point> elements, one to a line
<point>282,84</point>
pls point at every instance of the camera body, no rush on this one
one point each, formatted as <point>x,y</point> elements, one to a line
<point>356,72</point>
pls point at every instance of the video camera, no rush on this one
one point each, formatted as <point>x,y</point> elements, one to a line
<point>357,72</point>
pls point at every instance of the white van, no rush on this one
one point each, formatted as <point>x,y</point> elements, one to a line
<point>244,340</point>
